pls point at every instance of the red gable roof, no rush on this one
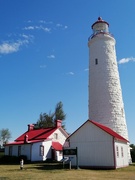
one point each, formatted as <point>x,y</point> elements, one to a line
<point>104,128</point>
<point>57,146</point>
<point>109,131</point>
<point>37,134</point>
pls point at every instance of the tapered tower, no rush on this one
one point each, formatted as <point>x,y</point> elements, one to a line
<point>105,95</point>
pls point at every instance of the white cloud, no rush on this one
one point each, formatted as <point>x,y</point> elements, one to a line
<point>46,29</point>
<point>70,73</point>
<point>51,56</point>
<point>126,60</point>
<point>65,27</point>
<point>7,47</point>
<point>86,69</point>
<point>41,25</point>
<point>59,25</point>
<point>42,66</point>
<point>45,22</point>
<point>29,28</point>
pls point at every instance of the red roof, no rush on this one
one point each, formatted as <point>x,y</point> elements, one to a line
<point>57,146</point>
<point>37,134</point>
<point>109,131</point>
<point>33,136</point>
<point>104,128</point>
<point>100,20</point>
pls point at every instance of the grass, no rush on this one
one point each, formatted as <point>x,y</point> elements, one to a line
<point>54,171</point>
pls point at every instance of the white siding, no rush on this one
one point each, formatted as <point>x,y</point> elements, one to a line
<point>25,150</point>
<point>95,147</point>
<point>122,159</point>
<point>35,153</point>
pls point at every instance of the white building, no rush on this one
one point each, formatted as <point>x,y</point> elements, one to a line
<point>39,144</point>
<point>98,147</point>
<point>105,95</point>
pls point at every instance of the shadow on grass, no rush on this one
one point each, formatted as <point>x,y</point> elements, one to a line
<point>133,164</point>
<point>51,166</point>
<point>58,166</point>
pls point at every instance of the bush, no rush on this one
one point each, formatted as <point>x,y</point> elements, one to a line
<point>8,159</point>
<point>12,159</point>
<point>132,152</point>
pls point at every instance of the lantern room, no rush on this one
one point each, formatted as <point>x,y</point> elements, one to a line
<point>100,26</point>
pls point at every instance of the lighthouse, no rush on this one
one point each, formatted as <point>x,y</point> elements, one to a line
<point>105,94</point>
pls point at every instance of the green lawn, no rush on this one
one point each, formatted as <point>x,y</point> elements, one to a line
<point>46,171</point>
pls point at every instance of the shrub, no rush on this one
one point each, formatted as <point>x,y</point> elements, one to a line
<point>8,159</point>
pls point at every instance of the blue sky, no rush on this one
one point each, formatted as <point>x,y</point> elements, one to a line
<point>44,58</point>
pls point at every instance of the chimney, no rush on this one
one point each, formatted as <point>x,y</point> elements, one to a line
<point>26,138</point>
<point>58,123</point>
<point>30,127</point>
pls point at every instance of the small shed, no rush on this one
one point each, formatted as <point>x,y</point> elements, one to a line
<point>98,147</point>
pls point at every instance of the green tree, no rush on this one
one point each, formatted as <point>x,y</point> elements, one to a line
<point>45,120</point>
<point>48,120</point>
<point>5,135</point>
<point>132,152</point>
<point>59,113</point>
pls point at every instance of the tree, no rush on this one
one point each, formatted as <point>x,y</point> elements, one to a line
<point>5,135</point>
<point>59,113</point>
<point>132,152</point>
<point>48,120</point>
<point>45,120</point>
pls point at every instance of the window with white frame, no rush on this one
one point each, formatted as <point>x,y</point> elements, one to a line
<point>55,136</point>
<point>117,151</point>
<point>41,150</point>
<point>122,152</point>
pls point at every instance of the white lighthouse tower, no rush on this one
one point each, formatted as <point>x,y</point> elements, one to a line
<point>105,95</point>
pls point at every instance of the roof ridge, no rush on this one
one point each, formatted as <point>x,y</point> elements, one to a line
<point>109,130</point>
<point>44,132</point>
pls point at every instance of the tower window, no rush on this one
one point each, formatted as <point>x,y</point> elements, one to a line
<point>96,61</point>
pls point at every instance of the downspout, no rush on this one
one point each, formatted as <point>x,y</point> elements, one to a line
<point>114,154</point>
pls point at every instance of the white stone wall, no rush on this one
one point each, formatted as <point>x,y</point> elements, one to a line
<point>105,95</point>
